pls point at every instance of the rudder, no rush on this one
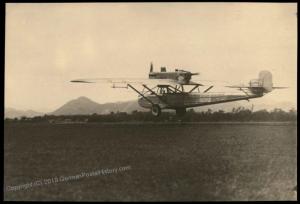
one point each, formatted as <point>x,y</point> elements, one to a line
<point>265,78</point>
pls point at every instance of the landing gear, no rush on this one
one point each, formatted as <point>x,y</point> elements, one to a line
<point>156,110</point>
<point>180,112</point>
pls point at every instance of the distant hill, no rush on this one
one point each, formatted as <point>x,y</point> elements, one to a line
<point>14,113</point>
<point>85,106</point>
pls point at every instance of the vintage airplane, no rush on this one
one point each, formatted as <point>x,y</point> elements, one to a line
<point>169,90</point>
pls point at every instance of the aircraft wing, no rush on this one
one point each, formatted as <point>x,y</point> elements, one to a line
<point>109,80</point>
<point>141,81</point>
<point>280,87</point>
<point>238,87</point>
<point>274,87</point>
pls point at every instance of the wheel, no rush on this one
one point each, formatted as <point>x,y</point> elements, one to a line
<point>155,110</point>
<point>180,112</point>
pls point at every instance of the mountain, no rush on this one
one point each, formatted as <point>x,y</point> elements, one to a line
<point>84,105</point>
<point>14,113</point>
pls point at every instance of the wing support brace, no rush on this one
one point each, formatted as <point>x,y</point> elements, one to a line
<point>142,95</point>
<point>160,98</point>
<point>196,86</point>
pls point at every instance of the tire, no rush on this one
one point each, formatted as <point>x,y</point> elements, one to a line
<point>156,110</point>
<point>180,112</point>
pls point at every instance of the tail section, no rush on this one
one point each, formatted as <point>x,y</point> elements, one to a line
<point>263,84</point>
<point>265,77</point>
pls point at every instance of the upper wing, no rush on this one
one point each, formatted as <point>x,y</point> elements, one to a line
<point>141,81</point>
<point>274,87</point>
<point>280,87</point>
<point>209,82</point>
<point>238,86</point>
<point>109,80</point>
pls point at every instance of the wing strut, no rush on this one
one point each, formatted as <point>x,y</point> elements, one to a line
<point>154,93</point>
<point>196,86</point>
<point>208,89</point>
<point>177,90</point>
<point>141,94</point>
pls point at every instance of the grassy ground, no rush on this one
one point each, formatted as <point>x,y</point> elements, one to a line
<point>168,162</point>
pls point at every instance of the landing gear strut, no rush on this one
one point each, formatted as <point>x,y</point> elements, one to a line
<point>156,110</point>
<point>180,112</point>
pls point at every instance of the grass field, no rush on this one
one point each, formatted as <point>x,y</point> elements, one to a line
<point>168,162</point>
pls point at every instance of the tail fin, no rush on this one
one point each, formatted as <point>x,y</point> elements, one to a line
<point>263,84</point>
<point>265,78</point>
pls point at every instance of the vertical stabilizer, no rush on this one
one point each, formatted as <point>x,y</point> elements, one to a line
<point>265,78</point>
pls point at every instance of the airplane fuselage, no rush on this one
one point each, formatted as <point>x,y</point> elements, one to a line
<point>169,93</point>
<point>188,100</point>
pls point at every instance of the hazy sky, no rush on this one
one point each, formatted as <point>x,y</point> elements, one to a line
<point>47,45</point>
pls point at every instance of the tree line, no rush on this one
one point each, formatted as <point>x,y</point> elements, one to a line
<point>237,114</point>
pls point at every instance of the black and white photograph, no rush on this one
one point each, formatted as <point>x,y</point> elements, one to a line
<point>160,101</point>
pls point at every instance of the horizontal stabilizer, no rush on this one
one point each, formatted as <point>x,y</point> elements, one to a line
<point>280,87</point>
<point>274,87</point>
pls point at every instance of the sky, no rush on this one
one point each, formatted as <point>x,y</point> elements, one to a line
<point>47,45</point>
